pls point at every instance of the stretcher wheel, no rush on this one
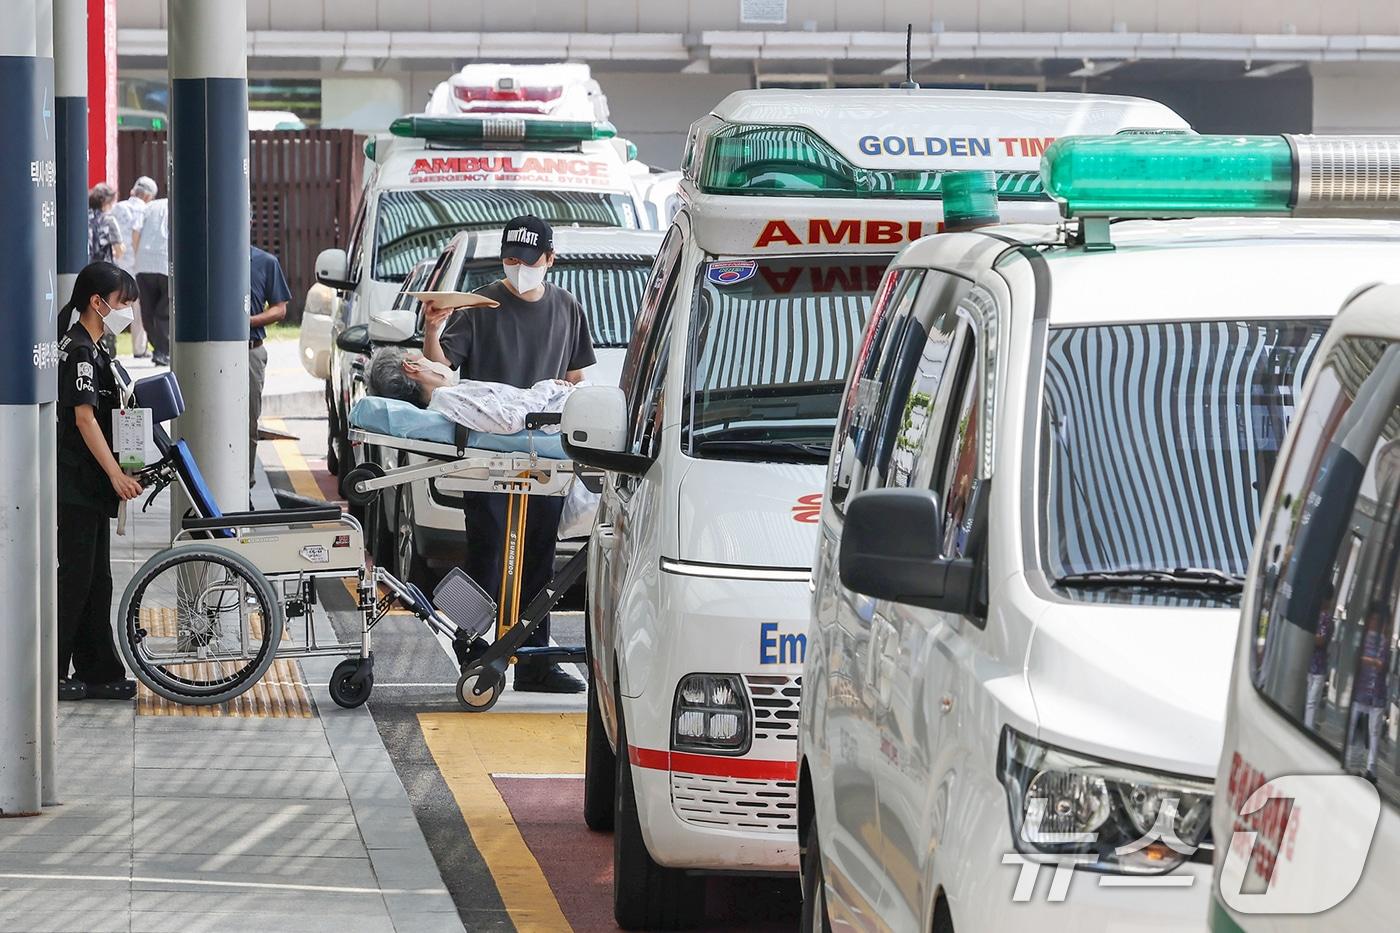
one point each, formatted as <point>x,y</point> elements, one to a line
<point>346,693</point>
<point>360,474</point>
<point>480,688</point>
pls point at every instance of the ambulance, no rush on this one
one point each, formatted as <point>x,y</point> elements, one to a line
<point>472,168</point>
<point>1307,812</point>
<point>1053,456</point>
<point>792,205</point>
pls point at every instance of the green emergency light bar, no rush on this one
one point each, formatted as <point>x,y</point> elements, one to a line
<point>1190,176</point>
<point>752,159</point>
<point>499,129</point>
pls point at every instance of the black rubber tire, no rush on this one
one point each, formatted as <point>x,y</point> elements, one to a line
<point>646,896</point>
<point>815,918</point>
<point>409,565</point>
<point>466,684</point>
<point>345,693</point>
<point>365,471</point>
<point>599,769</point>
<point>189,692</point>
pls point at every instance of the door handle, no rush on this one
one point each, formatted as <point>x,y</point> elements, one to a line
<point>607,535</point>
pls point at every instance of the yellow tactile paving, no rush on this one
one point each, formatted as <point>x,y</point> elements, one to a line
<point>470,747</point>
<point>293,463</point>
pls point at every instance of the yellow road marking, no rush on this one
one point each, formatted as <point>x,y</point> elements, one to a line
<point>289,457</point>
<point>470,747</point>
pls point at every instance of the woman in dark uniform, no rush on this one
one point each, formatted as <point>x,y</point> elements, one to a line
<point>90,485</point>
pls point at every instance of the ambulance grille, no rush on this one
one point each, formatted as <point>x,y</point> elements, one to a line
<point>775,700</point>
<point>740,804</point>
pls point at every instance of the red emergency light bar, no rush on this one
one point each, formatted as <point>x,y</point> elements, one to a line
<point>513,98</point>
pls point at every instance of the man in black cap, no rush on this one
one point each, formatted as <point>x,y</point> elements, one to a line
<point>538,332</point>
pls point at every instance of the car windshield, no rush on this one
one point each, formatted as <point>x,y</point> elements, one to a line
<point>1157,443</point>
<point>415,224</point>
<point>770,347</point>
<point>608,287</point>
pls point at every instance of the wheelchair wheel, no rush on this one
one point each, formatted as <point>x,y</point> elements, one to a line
<point>352,478</point>
<point>346,693</point>
<point>199,625</point>
<point>479,688</point>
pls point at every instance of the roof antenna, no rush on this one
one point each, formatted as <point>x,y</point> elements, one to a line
<point>909,84</point>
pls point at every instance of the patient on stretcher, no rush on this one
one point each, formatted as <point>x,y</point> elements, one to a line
<point>481,406</point>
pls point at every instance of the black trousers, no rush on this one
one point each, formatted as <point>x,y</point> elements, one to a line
<point>155,309</point>
<point>486,526</point>
<point>85,597</point>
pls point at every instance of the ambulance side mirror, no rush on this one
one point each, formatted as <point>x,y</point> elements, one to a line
<point>891,548</point>
<point>594,430</point>
<point>333,269</point>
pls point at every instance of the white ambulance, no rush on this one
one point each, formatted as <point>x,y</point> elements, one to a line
<point>792,206</point>
<point>433,176</point>
<point>1307,796</point>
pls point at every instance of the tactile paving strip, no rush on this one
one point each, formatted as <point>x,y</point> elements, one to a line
<point>280,694</point>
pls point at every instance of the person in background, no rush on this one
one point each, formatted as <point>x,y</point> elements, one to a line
<point>1368,693</point>
<point>152,243</point>
<point>1317,664</point>
<point>104,237</point>
<point>268,298</point>
<point>128,215</point>
<point>90,486</point>
<point>538,332</point>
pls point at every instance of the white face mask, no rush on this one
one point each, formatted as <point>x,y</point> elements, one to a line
<point>525,278</point>
<point>116,320</point>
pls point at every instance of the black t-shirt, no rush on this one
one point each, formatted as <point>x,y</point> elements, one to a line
<point>85,377</point>
<point>521,342</point>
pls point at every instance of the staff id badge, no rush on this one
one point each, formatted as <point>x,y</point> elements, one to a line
<point>131,437</point>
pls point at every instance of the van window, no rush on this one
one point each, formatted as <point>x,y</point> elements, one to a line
<point>1328,583</point>
<point>656,293</point>
<point>609,288</point>
<point>1157,441</point>
<point>414,224</point>
<point>771,344</point>
<point>955,472</point>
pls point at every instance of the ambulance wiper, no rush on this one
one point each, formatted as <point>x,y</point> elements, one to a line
<point>766,449</point>
<point>1202,577</point>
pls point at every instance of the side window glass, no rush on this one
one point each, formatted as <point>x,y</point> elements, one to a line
<point>1325,647</point>
<point>854,431</point>
<point>357,233</point>
<point>955,471</point>
<point>913,380</point>
<point>646,427</point>
<point>659,283</point>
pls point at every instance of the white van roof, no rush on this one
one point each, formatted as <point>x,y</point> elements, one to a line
<point>563,91</point>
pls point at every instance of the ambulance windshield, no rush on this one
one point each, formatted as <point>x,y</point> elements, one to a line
<point>1157,443</point>
<point>415,224</point>
<point>771,344</point>
<point>608,286</point>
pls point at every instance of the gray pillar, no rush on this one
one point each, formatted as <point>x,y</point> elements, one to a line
<point>28,384</point>
<point>209,238</point>
<point>70,135</point>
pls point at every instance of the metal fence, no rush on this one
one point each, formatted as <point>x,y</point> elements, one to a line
<point>304,184</point>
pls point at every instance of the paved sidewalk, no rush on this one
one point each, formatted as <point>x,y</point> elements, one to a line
<point>200,824</point>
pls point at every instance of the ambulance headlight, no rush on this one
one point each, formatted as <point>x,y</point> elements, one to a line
<point>1101,815</point>
<point>711,714</point>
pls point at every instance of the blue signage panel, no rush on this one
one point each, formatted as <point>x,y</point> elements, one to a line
<point>29,299</point>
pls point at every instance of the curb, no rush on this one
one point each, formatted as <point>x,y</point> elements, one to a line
<point>308,404</point>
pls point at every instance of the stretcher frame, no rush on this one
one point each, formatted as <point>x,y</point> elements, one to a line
<point>518,476</point>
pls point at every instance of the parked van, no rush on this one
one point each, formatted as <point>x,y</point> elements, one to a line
<point>792,206</point>
<point>1045,485</point>
<point>1307,813</point>
<point>433,176</point>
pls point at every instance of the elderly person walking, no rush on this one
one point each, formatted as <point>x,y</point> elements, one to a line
<point>128,215</point>
<point>152,241</point>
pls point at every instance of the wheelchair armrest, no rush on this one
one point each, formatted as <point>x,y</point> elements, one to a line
<point>314,514</point>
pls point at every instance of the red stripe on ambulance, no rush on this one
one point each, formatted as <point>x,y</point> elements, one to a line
<point>754,769</point>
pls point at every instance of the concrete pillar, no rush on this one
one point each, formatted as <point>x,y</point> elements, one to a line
<point>70,134</point>
<point>28,383</point>
<point>209,238</point>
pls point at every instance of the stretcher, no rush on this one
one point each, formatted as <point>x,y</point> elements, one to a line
<point>520,466</point>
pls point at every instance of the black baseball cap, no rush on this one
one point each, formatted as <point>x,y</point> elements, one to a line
<point>526,238</point>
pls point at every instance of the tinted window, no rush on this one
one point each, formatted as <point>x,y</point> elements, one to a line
<point>1158,441</point>
<point>773,340</point>
<point>1329,575</point>
<point>955,479</point>
<point>609,288</point>
<point>415,224</point>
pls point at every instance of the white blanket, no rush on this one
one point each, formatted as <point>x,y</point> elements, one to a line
<point>498,408</point>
